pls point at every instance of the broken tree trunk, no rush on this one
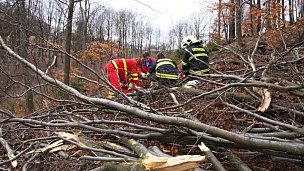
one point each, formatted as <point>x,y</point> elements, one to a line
<point>152,162</point>
<point>209,155</point>
<point>10,152</point>
<point>237,162</point>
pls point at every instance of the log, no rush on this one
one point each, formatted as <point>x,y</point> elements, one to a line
<point>209,155</point>
<point>158,152</point>
<point>10,152</point>
<point>155,163</point>
<point>237,162</point>
<point>123,167</point>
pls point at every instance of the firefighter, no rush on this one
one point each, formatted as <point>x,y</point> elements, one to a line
<point>123,74</point>
<point>195,59</point>
<point>146,61</point>
<point>164,71</point>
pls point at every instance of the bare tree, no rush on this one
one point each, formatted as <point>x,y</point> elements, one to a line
<point>238,22</point>
<point>232,21</point>
<point>68,41</point>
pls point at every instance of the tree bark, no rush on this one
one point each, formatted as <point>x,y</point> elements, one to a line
<point>23,32</point>
<point>68,43</point>
<point>232,22</point>
<point>238,23</point>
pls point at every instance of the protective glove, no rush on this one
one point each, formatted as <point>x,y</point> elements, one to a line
<point>144,76</point>
<point>181,76</point>
<point>135,87</point>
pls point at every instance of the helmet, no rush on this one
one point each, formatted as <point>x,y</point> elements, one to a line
<point>187,41</point>
<point>160,55</point>
<point>146,54</point>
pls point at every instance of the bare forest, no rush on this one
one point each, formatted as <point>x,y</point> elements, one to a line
<point>247,115</point>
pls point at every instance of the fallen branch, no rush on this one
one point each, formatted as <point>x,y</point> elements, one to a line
<point>209,156</point>
<point>10,152</point>
<point>237,162</point>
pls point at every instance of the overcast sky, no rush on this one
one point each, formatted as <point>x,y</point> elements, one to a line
<point>163,13</point>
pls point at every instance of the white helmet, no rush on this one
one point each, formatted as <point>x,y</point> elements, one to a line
<point>187,41</point>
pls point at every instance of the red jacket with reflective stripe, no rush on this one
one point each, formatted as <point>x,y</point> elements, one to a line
<point>124,74</point>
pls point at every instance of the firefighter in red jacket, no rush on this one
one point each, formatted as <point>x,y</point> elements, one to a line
<point>146,61</point>
<point>123,74</point>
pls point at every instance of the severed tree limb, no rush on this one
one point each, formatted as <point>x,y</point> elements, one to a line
<point>123,167</point>
<point>10,152</point>
<point>237,162</point>
<point>158,152</point>
<point>26,166</point>
<point>18,155</point>
<point>7,113</point>
<point>152,162</point>
<point>209,155</point>
<point>126,158</point>
<point>266,119</point>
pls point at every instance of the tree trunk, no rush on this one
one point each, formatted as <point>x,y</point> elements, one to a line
<point>238,23</point>
<point>251,19</point>
<point>283,11</point>
<point>23,37</point>
<point>291,16</point>
<point>302,8</point>
<point>259,17</point>
<point>219,19</point>
<point>68,43</point>
<point>232,23</point>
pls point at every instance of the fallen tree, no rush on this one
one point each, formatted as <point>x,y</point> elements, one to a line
<point>285,138</point>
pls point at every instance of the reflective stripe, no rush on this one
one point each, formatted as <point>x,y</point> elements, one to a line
<point>125,67</point>
<point>199,72</point>
<point>167,76</point>
<point>184,63</point>
<point>134,74</point>
<point>164,63</point>
<point>133,78</point>
<point>115,65</point>
<point>198,55</point>
<point>198,49</point>
<point>161,60</point>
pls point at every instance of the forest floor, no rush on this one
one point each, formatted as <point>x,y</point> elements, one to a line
<point>208,111</point>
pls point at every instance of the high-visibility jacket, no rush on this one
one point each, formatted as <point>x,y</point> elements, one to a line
<point>121,72</point>
<point>164,68</point>
<point>146,63</point>
<point>192,64</point>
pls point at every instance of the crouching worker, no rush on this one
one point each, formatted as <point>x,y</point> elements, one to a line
<point>164,71</point>
<point>195,60</point>
<point>123,74</point>
<point>146,61</point>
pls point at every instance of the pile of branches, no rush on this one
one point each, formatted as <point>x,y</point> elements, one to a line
<point>247,111</point>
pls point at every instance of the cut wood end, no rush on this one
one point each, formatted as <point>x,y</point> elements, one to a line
<point>265,101</point>
<point>62,148</point>
<point>177,163</point>
<point>67,135</point>
<point>153,161</point>
<point>51,146</point>
<point>180,163</point>
<point>203,147</point>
